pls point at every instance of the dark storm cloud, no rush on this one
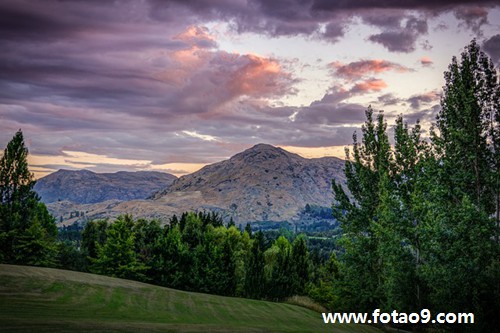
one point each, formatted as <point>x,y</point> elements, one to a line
<point>492,47</point>
<point>18,23</point>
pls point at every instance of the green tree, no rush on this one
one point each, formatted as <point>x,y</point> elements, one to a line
<point>461,228</point>
<point>94,236</point>
<point>467,126</point>
<point>117,257</point>
<point>171,262</point>
<point>278,269</point>
<point>325,288</point>
<point>70,256</point>
<point>357,213</point>
<point>22,217</point>
<point>35,247</point>
<point>398,226</point>
<point>255,279</point>
<point>146,236</point>
<point>300,265</point>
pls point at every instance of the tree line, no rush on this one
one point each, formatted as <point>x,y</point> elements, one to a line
<point>198,253</point>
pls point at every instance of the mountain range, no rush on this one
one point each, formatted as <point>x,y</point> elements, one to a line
<point>262,183</point>
<point>86,187</point>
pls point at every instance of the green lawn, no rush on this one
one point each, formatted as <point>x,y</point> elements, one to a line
<point>51,300</point>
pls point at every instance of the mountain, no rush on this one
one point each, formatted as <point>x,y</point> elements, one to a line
<point>263,183</point>
<point>86,187</point>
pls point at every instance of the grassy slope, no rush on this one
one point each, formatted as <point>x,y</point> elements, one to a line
<point>50,300</point>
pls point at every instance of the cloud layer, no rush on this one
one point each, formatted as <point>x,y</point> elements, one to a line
<point>149,81</point>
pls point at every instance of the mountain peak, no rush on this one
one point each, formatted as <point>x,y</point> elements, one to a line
<point>262,153</point>
<point>263,146</point>
<point>262,183</point>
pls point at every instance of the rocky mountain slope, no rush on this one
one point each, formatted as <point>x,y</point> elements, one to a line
<point>263,183</point>
<point>86,187</point>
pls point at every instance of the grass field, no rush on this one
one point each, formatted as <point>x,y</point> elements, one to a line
<point>51,300</point>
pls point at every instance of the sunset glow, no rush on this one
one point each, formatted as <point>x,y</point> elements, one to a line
<point>178,85</point>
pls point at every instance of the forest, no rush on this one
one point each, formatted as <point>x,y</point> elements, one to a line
<point>419,217</point>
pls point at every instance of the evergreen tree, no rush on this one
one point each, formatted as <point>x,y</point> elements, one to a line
<point>325,287</point>
<point>117,257</point>
<point>22,217</point>
<point>70,256</point>
<point>255,279</point>
<point>146,235</point>
<point>231,223</point>
<point>94,236</point>
<point>171,259</point>
<point>248,229</point>
<point>300,262</point>
<point>35,247</point>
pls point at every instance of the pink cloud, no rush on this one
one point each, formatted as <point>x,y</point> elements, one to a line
<point>369,85</point>
<point>362,68</point>
<point>259,77</point>
<point>426,61</point>
<point>197,36</point>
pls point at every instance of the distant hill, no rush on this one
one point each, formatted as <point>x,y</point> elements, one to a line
<point>86,187</point>
<point>262,183</point>
<point>38,299</point>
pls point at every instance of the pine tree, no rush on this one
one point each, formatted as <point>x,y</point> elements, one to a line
<point>300,262</point>
<point>254,279</point>
<point>22,216</point>
<point>93,236</point>
<point>171,260</point>
<point>117,257</point>
<point>35,247</point>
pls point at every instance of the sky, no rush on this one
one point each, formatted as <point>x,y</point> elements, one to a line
<point>171,85</point>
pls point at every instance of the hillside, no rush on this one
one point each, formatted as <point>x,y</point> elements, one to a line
<point>87,187</point>
<point>263,183</point>
<point>52,300</point>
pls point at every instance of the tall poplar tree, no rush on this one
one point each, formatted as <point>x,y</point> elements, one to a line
<point>463,266</point>
<point>357,212</point>
<point>467,128</point>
